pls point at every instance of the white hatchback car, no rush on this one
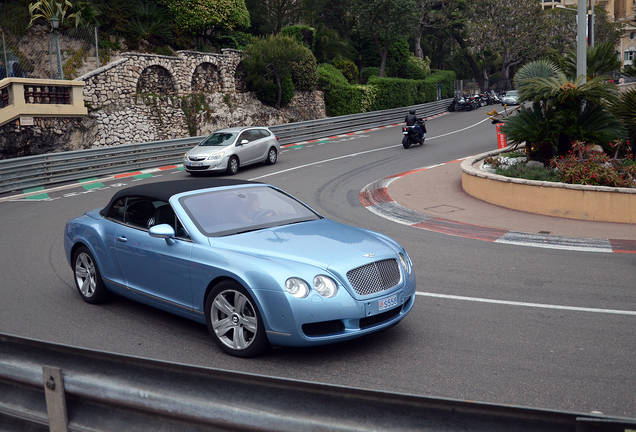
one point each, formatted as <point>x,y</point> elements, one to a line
<point>229,149</point>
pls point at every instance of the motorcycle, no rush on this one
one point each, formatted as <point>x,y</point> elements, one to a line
<point>411,136</point>
<point>459,103</point>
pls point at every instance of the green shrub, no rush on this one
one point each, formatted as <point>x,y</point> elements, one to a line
<point>329,76</point>
<point>279,55</point>
<point>164,50</point>
<point>394,92</point>
<point>369,72</point>
<point>267,90</point>
<point>397,60</point>
<point>417,68</point>
<point>379,93</point>
<point>348,69</point>
<point>586,166</point>
<point>304,71</point>
<point>302,33</point>
<point>537,173</point>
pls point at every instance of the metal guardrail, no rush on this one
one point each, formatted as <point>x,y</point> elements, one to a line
<point>42,170</point>
<point>45,386</point>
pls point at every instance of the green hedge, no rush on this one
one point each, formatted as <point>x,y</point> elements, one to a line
<point>380,93</point>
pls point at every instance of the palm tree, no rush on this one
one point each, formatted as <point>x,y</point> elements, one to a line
<point>562,111</point>
<point>601,60</point>
<point>625,109</point>
<point>49,8</point>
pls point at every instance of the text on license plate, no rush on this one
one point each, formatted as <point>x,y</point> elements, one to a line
<point>196,164</point>
<point>387,303</point>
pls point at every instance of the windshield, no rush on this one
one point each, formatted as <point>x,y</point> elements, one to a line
<point>220,139</point>
<point>239,210</point>
<point>512,93</point>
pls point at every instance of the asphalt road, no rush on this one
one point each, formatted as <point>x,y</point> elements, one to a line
<point>546,358</point>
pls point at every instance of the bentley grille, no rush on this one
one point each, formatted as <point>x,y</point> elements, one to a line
<point>375,277</point>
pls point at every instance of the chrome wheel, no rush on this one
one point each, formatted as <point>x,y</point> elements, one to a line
<point>88,279</point>
<point>232,165</point>
<point>272,155</point>
<point>85,274</point>
<point>234,321</point>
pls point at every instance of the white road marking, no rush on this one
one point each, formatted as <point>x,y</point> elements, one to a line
<point>534,305</point>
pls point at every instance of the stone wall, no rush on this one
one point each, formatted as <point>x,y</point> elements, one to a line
<point>139,99</point>
<point>189,72</point>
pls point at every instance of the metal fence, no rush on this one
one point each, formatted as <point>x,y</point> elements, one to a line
<point>45,386</point>
<point>53,168</point>
<point>35,54</point>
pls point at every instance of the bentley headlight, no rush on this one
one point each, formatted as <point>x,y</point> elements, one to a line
<point>297,287</point>
<point>405,263</point>
<point>325,286</point>
<point>216,156</point>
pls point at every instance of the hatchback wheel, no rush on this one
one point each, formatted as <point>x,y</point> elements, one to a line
<point>232,165</point>
<point>272,156</point>
<point>234,321</point>
<point>88,279</point>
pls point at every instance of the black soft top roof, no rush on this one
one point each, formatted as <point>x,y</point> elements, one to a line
<point>164,190</point>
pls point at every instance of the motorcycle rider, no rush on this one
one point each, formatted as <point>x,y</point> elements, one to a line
<point>412,120</point>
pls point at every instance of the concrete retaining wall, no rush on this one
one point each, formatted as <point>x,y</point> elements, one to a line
<point>595,203</point>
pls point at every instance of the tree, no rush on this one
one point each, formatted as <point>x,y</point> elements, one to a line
<point>562,112</point>
<point>384,22</point>
<point>601,59</point>
<point>561,29</point>
<point>447,19</point>
<point>273,15</point>
<point>279,63</point>
<point>195,16</point>
<point>514,29</point>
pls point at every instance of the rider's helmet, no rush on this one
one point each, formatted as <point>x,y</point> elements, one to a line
<point>412,111</point>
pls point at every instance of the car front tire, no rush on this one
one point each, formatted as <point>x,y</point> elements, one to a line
<point>272,156</point>
<point>234,321</point>
<point>88,279</point>
<point>232,165</point>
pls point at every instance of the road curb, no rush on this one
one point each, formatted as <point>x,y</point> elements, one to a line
<point>375,198</point>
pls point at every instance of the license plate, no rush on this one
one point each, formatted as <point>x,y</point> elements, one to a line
<point>387,303</point>
<point>197,164</point>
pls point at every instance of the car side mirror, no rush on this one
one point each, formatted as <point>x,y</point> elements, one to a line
<point>163,231</point>
<point>244,141</point>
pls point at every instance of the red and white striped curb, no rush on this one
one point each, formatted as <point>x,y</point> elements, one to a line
<point>375,198</point>
<point>300,143</point>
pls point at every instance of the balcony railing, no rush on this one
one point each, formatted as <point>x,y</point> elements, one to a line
<point>25,97</point>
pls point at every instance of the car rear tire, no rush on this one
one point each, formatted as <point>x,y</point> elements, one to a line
<point>272,156</point>
<point>234,321</point>
<point>88,279</point>
<point>232,165</point>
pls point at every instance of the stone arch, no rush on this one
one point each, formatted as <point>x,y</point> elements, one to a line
<point>240,81</point>
<point>206,78</point>
<point>156,79</point>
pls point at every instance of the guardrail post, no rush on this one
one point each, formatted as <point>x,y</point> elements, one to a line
<point>55,399</point>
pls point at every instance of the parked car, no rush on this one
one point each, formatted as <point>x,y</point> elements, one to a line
<point>229,149</point>
<point>254,264</point>
<point>511,98</point>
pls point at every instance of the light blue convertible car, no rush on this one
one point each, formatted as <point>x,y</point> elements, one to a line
<point>256,265</point>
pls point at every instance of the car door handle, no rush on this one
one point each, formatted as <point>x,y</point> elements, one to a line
<point>122,239</point>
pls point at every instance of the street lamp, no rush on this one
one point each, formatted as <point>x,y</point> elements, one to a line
<point>581,48</point>
<point>55,24</point>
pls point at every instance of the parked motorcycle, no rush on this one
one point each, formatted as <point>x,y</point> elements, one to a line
<point>411,136</point>
<point>460,103</point>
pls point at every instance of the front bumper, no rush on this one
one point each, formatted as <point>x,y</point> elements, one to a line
<point>325,321</point>
<point>205,165</point>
